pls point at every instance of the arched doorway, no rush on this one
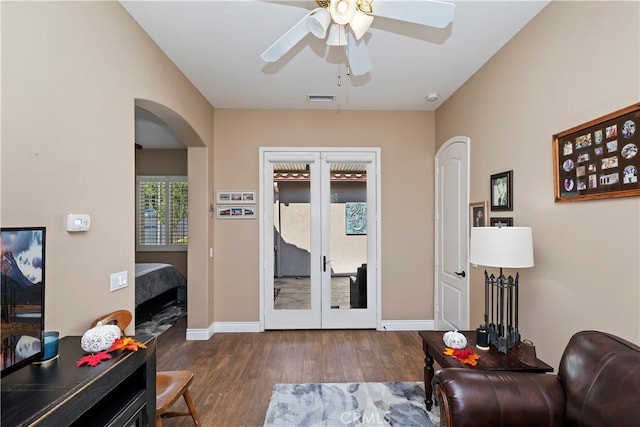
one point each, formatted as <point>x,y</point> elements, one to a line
<point>198,220</point>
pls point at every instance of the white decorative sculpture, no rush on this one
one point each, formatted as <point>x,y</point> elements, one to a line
<point>100,338</point>
<point>455,339</point>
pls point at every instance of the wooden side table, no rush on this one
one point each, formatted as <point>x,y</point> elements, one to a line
<point>490,360</point>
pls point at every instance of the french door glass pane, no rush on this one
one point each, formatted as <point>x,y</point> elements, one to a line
<point>292,236</point>
<point>348,236</point>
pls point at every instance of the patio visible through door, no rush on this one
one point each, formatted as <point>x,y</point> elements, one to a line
<point>319,239</point>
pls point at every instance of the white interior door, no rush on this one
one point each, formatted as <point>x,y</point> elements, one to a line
<point>452,235</point>
<point>319,233</point>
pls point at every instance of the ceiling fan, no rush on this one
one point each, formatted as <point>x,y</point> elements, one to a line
<point>348,20</point>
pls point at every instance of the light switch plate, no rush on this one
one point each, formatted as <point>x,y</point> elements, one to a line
<point>118,281</point>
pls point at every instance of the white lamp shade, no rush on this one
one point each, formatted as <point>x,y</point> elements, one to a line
<point>342,10</point>
<point>337,35</point>
<point>318,22</point>
<point>508,247</point>
<point>360,23</point>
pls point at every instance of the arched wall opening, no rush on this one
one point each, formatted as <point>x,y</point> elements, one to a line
<point>198,225</point>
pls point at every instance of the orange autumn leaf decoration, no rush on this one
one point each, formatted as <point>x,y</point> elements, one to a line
<point>93,359</point>
<point>123,343</point>
<point>126,343</point>
<point>465,355</point>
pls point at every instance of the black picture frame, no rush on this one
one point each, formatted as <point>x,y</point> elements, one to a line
<point>502,191</point>
<point>501,221</point>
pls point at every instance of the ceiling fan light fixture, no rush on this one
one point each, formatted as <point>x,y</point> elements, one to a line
<point>365,5</point>
<point>337,35</point>
<point>360,24</point>
<point>342,11</point>
<point>318,22</point>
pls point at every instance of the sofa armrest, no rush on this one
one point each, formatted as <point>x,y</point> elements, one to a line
<point>473,397</point>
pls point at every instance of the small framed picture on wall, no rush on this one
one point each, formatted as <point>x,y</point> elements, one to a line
<point>501,222</point>
<point>478,214</point>
<point>502,191</point>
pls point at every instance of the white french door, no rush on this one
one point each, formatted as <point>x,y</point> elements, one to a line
<point>319,238</point>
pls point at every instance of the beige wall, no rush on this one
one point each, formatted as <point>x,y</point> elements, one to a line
<point>161,162</point>
<point>72,71</point>
<point>565,68</point>
<point>71,74</point>
<point>407,150</point>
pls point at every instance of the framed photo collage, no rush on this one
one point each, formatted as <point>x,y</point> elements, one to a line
<point>599,159</point>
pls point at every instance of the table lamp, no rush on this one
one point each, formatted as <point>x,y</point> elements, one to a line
<point>502,247</point>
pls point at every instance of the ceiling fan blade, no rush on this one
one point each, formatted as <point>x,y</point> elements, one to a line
<point>287,41</point>
<point>357,56</point>
<point>432,13</point>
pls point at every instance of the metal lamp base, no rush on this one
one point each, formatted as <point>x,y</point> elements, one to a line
<point>503,342</point>
<point>501,303</point>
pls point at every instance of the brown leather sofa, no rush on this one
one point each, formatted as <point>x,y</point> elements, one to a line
<point>598,384</point>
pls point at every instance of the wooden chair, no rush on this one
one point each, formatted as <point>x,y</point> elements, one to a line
<point>170,385</point>
<point>120,318</point>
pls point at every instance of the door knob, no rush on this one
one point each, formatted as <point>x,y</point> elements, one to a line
<point>461,274</point>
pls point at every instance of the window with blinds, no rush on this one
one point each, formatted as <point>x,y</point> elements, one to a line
<point>162,213</point>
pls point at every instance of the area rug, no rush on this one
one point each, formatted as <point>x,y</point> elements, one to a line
<point>161,321</point>
<point>349,404</point>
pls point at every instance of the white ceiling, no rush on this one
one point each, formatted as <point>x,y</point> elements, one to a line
<point>217,45</point>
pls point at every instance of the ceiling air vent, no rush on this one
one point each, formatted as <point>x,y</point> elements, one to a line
<point>320,98</point>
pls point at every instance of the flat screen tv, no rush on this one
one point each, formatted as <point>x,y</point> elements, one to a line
<point>21,296</point>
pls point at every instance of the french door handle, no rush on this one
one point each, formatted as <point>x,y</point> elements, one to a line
<point>325,261</point>
<point>460,274</point>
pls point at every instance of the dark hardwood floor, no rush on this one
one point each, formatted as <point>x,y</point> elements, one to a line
<point>235,372</point>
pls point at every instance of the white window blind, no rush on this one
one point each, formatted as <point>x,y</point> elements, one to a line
<point>162,213</point>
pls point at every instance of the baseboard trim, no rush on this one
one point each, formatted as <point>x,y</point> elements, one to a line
<point>221,327</point>
<point>193,334</point>
<point>199,334</point>
<point>407,325</point>
<point>237,326</point>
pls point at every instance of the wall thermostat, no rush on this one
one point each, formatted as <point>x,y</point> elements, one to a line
<point>78,222</point>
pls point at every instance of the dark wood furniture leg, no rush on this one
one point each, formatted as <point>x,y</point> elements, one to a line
<point>428,376</point>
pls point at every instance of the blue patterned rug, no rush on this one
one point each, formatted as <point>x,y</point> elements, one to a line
<point>349,404</point>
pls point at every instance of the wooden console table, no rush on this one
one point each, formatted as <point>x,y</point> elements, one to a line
<point>117,392</point>
<point>490,360</point>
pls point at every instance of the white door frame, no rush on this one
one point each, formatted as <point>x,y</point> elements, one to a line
<point>374,254</point>
<point>463,241</point>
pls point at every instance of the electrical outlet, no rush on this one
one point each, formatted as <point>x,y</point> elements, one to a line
<point>118,281</point>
